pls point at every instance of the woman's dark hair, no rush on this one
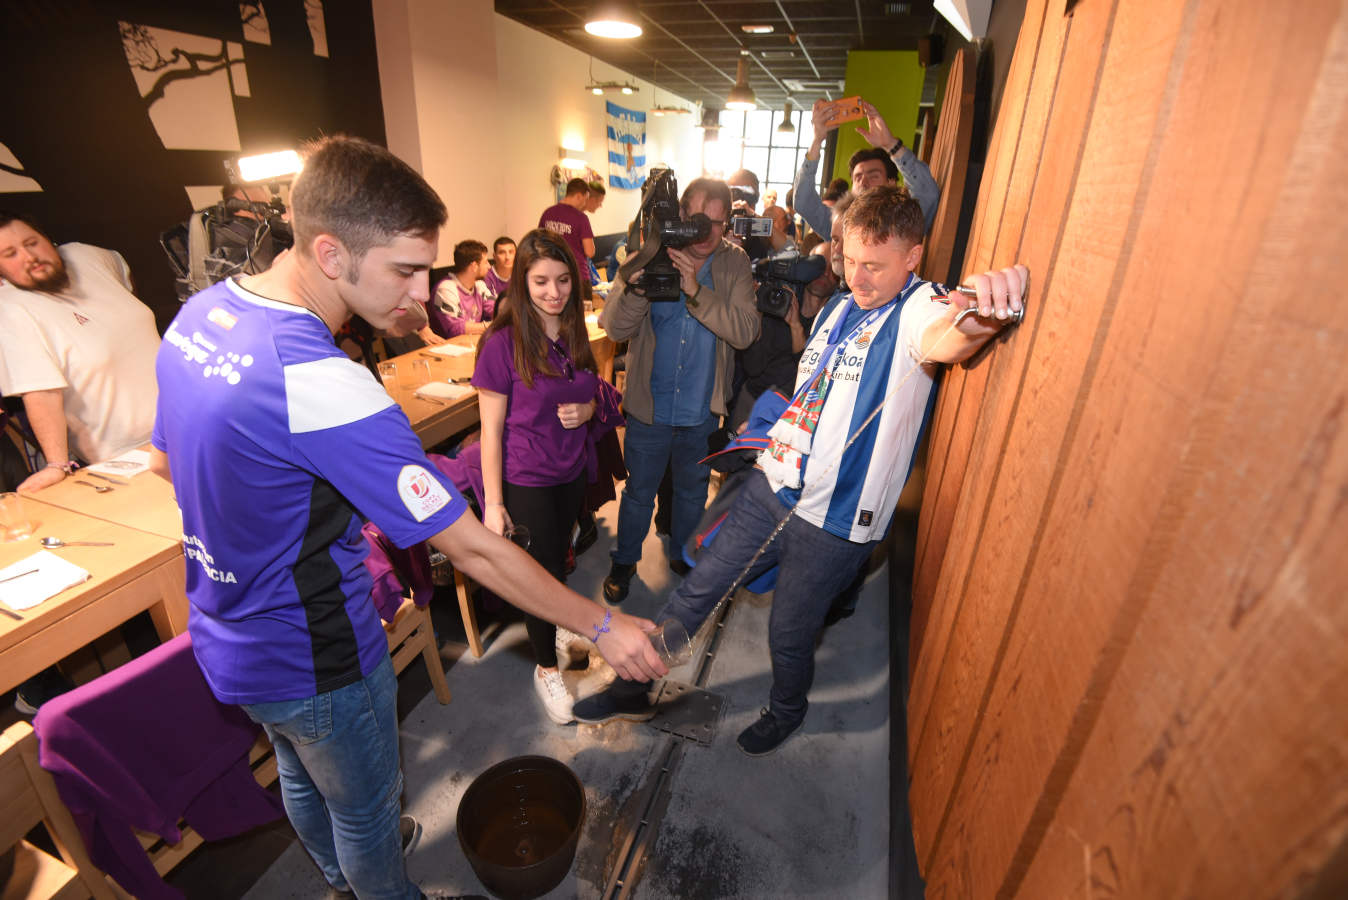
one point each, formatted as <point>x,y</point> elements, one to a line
<point>517,311</point>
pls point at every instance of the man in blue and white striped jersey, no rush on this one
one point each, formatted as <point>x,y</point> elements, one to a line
<point>877,347</point>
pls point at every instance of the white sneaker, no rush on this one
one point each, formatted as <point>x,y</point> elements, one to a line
<point>552,691</point>
<point>571,648</point>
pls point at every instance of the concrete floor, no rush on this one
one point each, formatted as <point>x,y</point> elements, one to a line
<point>811,820</point>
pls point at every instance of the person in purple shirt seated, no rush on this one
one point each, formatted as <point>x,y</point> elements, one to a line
<point>502,264</point>
<point>463,304</point>
<point>568,219</point>
<point>279,447</point>
<point>537,384</point>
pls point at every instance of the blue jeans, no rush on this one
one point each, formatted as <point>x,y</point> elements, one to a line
<point>814,567</point>
<point>647,450</point>
<point>337,754</point>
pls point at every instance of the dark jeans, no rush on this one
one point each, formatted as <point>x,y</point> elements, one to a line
<point>548,512</point>
<point>648,449</point>
<point>814,567</point>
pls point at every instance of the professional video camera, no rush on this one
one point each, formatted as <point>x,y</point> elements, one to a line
<point>233,237</point>
<point>657,227</point>
<point>777,275</point>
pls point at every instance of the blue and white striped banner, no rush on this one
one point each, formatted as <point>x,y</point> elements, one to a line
<point>626,147</point>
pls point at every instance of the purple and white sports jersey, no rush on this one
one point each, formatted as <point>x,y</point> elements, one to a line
<point>278,445</point>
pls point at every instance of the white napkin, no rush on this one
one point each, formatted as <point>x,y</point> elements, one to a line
<point>443,390</point>
<point>130,463</point>
<point>53,576</point>
<point>451,349</point>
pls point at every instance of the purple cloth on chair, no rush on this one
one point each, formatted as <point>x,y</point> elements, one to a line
<point>142,747</point>
<point>396,571</point>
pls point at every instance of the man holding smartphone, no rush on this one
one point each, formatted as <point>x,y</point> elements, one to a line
<point>886,159</point>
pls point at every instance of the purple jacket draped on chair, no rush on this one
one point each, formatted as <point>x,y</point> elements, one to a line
<point>143,746</point>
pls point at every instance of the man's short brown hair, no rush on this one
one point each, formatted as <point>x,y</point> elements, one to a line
<point>361,194</point>
<point>577,186</point>
<point>886,211</point>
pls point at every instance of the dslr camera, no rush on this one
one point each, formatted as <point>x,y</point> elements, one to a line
<point>658,226</point>
<point>784,276</point>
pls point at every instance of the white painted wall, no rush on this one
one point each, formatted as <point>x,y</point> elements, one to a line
<point>480,104</point>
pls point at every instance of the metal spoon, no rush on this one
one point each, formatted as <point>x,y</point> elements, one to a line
<point>53,543</point>
<point>101,488</point>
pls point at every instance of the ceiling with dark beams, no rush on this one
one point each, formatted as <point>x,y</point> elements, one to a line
<point>691,47</point>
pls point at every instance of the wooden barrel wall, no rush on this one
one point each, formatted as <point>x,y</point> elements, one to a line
<point>1130,649</point>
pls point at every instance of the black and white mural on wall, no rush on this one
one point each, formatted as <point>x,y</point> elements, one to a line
<point>122,112</point>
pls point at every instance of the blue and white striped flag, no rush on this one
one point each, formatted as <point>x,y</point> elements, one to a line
<point>626,147</point>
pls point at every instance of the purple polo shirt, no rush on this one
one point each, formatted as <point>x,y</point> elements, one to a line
<point>495,283</point>
<point>572,225</point>
<point>538,451</point>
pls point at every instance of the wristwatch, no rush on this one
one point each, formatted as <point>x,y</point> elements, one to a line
<point>898,145</point>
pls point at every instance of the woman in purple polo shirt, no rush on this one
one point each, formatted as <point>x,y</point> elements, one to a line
<point>537,391</point>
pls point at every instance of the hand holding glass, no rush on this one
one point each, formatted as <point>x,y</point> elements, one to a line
<point>670,640</point>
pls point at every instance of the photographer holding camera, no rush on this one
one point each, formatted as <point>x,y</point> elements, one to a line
<point>683,326</point>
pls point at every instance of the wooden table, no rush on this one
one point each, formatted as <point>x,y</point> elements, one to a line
<point>435,422</point>
<point>141,571</point>
<point>145,503</point>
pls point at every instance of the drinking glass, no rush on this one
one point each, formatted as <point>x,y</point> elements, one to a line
<point>670,640</point>
<point>388,373</point>
<point>421,372</point>
<point>14,522</point>
<point>519,535</point>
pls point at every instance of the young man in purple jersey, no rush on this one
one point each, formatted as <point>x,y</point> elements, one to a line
<point>875,347</point>
<point>279,447</point>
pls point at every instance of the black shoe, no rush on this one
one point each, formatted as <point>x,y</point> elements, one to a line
<point>618,581</point>
<point>680,568</point>
<point>43,686</point>
<point>585,539</point>
<point>621,700</point>
<point>765,735</point>
<point>409,829</point>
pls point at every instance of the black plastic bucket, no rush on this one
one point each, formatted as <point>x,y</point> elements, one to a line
<point>519,823</point>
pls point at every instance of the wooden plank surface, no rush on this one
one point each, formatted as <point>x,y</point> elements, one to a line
<point>949,163</point>
<point>145,503</point>
<point>1132,677</point>
<point>125,578</point>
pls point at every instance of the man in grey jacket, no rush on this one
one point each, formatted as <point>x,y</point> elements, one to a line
<point>680,364</point>
<point>882,164</point>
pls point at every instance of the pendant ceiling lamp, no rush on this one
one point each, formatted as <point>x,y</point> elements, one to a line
<point>741,95</point>
<point>614,19</point>
<point>787,126</point>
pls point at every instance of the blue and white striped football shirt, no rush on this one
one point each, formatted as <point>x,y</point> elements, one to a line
<point>852,494</point>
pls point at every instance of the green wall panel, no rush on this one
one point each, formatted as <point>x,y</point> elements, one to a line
<point>890,79</point>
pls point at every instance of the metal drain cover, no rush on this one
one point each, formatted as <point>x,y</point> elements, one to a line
<point>688,712</point>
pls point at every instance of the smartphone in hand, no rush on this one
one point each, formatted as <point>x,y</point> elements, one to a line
<point>847,109</point>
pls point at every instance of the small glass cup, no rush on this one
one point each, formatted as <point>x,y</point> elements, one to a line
<point>421,372</point>
<point>670,640</point>
<point>388,373</point>
<point>14,522</point>
<point>518,535</point>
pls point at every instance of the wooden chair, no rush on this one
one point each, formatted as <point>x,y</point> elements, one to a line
<point>463,587</point>
<point>28,796</point>
<point>410,635</point>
